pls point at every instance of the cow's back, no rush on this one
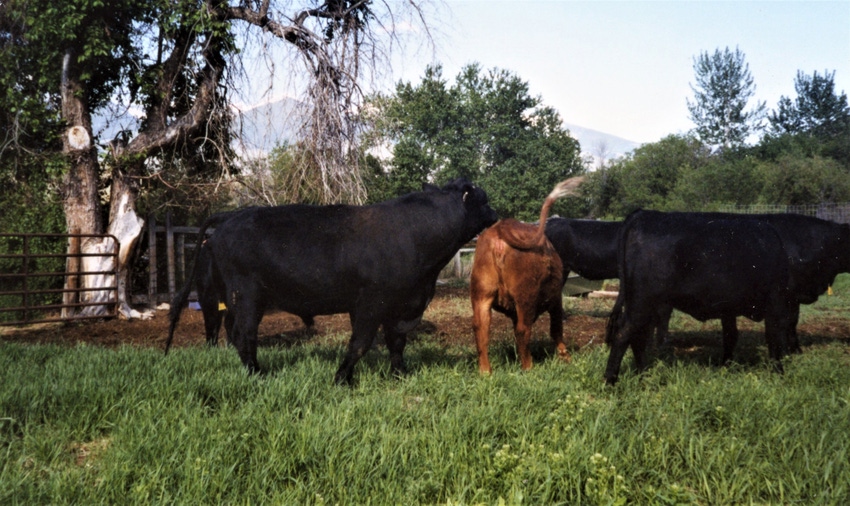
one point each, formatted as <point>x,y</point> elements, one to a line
<point>319,259</point>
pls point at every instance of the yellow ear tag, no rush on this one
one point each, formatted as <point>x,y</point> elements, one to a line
<point>222,307</point>
<point>829,291</point>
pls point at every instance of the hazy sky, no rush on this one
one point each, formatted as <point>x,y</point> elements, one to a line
<point>625,68</point>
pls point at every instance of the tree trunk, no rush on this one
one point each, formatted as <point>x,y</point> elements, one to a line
<point>83,213</point>
<point>127,226</point>
<point>79,188</point>
<point>80,183</point>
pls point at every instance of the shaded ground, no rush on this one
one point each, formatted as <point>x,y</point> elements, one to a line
<point>447,321</point>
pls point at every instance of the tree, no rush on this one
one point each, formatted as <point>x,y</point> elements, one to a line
<point>485,127</point>
<point>818,110</point>
<point>646,177</point>
<point>723,88</point>
<point>176,61</point>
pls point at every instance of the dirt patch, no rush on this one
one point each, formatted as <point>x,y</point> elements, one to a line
<point>448,321</point>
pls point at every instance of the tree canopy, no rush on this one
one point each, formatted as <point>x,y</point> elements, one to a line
<point>485,126</point>
<point>723,89</point>
<point>174,62</point>
<point>818,110</point>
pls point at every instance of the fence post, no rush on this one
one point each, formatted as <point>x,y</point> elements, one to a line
<point>181,258</point>
<point>152,260</point>
<point>169,255</point>
<point>458,266</point>
<point>72,279</point>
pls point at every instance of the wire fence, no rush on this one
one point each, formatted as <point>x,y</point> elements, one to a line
<point>839,213</point>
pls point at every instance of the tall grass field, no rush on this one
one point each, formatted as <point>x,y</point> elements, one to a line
<point>89,425</point>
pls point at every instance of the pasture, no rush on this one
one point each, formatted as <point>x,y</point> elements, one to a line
<point>106,418</point>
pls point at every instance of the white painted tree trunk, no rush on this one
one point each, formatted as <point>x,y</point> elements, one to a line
<point>126,226</point>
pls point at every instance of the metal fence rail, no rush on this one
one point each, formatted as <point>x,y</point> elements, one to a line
<point>839,213</point>
<point>31,296</point>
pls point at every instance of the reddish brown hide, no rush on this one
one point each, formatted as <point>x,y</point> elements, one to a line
<point>517,272</point>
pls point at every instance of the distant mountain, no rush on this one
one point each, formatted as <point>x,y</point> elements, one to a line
<point>268,125</point>
<point>599,145</point>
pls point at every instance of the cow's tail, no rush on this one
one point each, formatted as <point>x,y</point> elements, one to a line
<point>182,296</point>
<point>514,235</point>
<point>613,325</point>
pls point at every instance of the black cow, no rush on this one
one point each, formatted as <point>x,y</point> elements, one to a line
<point>378,263</point>
<point>706,265</point>
<point>817,251</point>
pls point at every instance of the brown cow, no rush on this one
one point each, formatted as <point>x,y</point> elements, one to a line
<point>517,272</point>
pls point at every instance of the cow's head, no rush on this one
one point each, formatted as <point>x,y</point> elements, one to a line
<point>479,214</point>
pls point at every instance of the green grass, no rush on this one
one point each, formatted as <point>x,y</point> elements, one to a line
<point>87,425</point>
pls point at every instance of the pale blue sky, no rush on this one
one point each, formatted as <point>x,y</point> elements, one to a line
<point>624,68</point>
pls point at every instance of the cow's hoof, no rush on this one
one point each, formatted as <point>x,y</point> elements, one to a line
<point>400,372</point>
<point>344,379</point>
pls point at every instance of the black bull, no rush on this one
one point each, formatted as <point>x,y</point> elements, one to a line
<point>706,265</point>
<point>378,263</point>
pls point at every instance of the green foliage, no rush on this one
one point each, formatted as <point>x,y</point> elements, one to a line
<point>723,87</point>
<point>485,127</point>
<point>733,181</point>
<point>30,206</point>
<point>804,180</point>
<point>647,177</point>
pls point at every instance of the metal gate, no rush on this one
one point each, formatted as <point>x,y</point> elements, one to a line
<point>29,294</point>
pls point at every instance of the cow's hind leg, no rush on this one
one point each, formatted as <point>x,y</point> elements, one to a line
<point>396,341</point>
<point>246,319</point>
<point>776,333</point>
<point>212,317</point>
<point>730,337</point>
<point>630,333</point>
<point>639,342</point>
<point>481,314</point>
<point>793,344</point>
<point>556,330</point>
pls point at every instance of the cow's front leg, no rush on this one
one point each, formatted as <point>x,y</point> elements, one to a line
<point>362,336</point>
